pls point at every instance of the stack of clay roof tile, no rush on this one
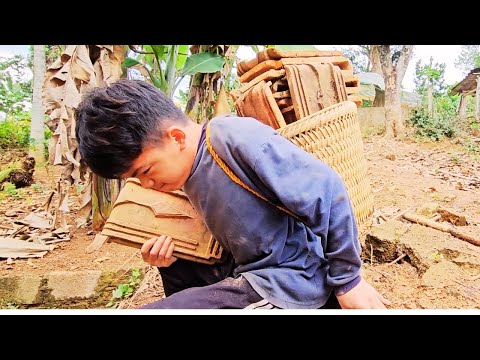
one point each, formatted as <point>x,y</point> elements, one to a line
<point>283,86</point>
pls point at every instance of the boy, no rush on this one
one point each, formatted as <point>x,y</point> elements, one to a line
<point>306,261</point>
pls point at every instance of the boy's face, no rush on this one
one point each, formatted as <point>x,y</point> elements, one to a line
<point>165,166</point>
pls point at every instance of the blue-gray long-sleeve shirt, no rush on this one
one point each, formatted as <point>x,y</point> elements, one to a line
<point>290,263</point>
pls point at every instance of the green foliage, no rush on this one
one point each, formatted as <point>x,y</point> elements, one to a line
<point>9,189</point>
<point>431,74</point>
<point>182,98</point>
<point>167,65</point>
<point>15,131</point>
<point>442,124</point>
<point>436,256</point>
<point>469,58</point>
<point>125,290</point>
<point>15,93</point>
<point>204,63</point>
<point>4,173</point>
<point>15,90</point>
<point>366,103</point>
<point>37,187</point>
<point>472,147</point>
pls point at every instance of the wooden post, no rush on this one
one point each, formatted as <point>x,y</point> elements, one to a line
<point>462,106</point>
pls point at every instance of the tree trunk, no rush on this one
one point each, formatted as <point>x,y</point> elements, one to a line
<point>393,73</point>
<point>393,110</point>
<point>430,99</point>
<point>37,126</point>
<point>104,191</point>
<point>375,60</point>
<point>104,194</point>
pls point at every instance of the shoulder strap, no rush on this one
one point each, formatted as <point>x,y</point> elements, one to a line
<point>235,178</point>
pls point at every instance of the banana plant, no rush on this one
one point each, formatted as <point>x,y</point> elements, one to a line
<point>166,65</point>
<point>204,86</point>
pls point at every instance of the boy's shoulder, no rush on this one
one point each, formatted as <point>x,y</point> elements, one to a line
<point>238,127</point>
<point>237,131</point>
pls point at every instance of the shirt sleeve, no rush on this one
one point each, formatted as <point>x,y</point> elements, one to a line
<point>317,195</point>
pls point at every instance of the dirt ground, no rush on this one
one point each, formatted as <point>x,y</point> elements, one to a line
<point>405,175</point>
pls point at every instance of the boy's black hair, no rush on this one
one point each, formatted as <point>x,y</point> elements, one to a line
<point>115,122</point>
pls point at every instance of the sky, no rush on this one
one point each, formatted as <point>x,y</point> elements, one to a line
<point>440,53</point>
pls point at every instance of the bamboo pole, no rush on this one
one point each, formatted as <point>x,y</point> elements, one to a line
<point>452,230</point>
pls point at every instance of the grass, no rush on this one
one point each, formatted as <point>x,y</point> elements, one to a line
<point>125,290</point>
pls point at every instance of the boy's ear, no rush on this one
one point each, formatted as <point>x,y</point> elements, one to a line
<point>177,135</point>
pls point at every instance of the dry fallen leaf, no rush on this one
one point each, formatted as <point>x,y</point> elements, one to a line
<point>36,221</point>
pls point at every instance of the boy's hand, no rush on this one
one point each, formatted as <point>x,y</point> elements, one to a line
<point>363,296</point>
<point>158,251</point>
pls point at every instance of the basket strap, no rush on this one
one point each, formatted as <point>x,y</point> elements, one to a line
<point>236,179</point>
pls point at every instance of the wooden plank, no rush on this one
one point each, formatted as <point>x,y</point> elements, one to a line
<point>452,230</point>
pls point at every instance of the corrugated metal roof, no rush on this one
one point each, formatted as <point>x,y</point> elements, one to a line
<point>468,84</point>
<point>371,78</point>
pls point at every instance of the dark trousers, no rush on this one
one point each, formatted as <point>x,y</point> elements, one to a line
<point>191,285</point>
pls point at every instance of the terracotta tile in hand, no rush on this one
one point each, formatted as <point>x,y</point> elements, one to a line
<point>140,214</point>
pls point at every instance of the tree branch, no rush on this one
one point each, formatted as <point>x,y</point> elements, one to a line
<point>385,59</point>
<point>405,55</point>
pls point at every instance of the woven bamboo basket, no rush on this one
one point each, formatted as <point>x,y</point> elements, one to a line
<point>333,135</point>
